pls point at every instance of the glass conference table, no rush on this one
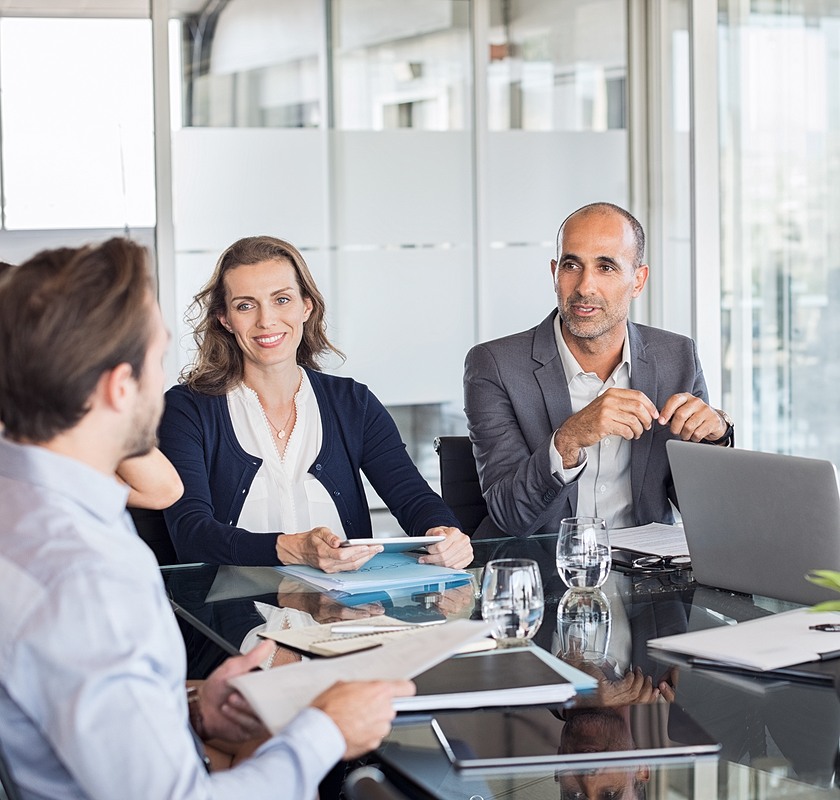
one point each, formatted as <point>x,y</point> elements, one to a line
<point>779,739</point>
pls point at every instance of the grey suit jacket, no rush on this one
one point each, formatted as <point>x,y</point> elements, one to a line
<point>516,395</point>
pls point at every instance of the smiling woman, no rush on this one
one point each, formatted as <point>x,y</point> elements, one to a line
<point>269,448</point>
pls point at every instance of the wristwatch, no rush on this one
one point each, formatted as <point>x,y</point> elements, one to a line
<point>728,438</point>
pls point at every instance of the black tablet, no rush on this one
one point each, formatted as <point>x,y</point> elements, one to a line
<point>571,739</point>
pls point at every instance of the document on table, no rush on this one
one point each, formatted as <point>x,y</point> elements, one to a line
<point>655,539</point>
<point>773,642</point>
<point>383,571</point>
<point>277,695</point>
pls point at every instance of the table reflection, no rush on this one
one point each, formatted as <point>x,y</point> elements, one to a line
<point>793,727</point>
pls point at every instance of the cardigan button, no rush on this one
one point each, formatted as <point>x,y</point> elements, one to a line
<point>336,493</point>
<point>318,467</point>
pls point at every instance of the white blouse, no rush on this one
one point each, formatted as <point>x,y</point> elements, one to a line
<point>283,497</point>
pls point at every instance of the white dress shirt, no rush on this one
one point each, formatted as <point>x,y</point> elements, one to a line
<point>603,475</point>
<point>92,663</point>
<point>283,497</point>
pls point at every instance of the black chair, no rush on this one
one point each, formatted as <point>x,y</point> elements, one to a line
<point>459,484</point>
<point>368,783</point>
<point>10,789</point>
<point>153,531</point>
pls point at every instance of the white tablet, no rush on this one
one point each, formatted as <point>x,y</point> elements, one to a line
<point>396,544</point>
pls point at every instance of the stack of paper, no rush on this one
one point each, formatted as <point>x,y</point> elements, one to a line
<point>277,695</point>
<point>769,643</point>
<point>383,571</point>
<point>655,539</point>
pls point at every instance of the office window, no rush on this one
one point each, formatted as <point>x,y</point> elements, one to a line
<point>402,64</point>
<point>78,141</point>
<point>780,164</point>
<point>253,64</point>
<point>557,66</point>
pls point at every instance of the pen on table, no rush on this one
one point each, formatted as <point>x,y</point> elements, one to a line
<point>347,630</point>
<point>826,627</point>
<point>362,628</point>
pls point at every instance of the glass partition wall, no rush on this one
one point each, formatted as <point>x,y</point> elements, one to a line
<point>421,153</point>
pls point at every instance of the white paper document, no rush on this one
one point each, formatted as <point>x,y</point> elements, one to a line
<point>277,695</point>
<point>773,642</point>
<point>656,539</point>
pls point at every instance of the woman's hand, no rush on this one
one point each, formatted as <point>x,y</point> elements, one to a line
<point>455,551</point>
<point>153,481</point>
<point>321,548</point>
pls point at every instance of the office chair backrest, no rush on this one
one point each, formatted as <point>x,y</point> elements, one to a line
<point>153,531</point>
<point>459,484</point>
<point>10,788</point>
<point>368,783</point>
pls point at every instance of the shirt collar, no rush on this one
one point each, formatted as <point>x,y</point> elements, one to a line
<point>100,495</point>
<point>570,363</point>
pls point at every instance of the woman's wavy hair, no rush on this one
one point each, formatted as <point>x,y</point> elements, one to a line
<point>219,364</point>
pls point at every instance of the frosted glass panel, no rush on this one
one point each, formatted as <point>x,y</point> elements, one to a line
<point>229,183</point>
<point>537,179</point>
<point>403,187</point>
<point>517,289</point>
<point>404,319</point>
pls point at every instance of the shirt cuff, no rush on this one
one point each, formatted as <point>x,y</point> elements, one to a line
<point>314,734</point>
<point>566,475</point>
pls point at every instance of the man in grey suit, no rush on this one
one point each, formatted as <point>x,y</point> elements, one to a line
<point>571,417</point>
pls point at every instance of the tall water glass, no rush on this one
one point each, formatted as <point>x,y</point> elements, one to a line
<point>583,552</point>
<point>512,600</point>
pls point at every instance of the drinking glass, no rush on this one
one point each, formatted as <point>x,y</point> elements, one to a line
<point>584,621</point>
<point>583,552</point>
<point>512,600</point>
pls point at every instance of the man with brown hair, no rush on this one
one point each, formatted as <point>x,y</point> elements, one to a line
<point>92,665</point>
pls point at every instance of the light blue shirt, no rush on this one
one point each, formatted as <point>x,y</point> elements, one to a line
<point>92,663</point>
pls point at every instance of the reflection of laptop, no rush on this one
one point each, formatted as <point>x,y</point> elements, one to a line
<point>598,737</point>
<point>758,522</point>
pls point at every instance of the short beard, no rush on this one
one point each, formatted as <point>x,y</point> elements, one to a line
<point>143,433</point>
<point>585,329</point>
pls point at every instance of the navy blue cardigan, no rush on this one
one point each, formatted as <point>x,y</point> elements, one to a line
<point>196,434</point>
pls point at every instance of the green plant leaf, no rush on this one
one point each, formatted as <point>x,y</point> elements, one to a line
<point>828,605</point>
<point>828,578</point>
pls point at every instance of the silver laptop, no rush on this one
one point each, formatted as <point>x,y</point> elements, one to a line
<point>758,522</point>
